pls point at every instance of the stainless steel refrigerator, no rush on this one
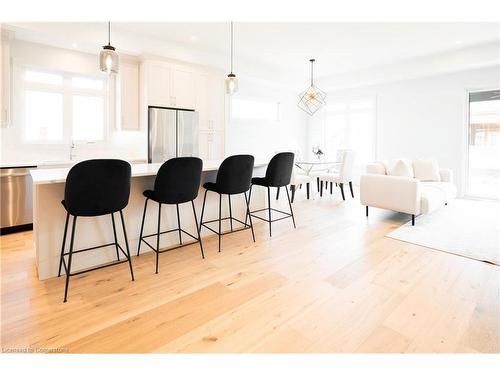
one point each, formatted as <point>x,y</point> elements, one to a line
<point>171,133</point>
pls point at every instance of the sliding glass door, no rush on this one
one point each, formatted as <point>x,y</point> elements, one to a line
<point>484,144</point>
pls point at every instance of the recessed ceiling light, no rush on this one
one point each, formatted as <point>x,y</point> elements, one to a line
<point>194,38</point>
<point>74,45</point>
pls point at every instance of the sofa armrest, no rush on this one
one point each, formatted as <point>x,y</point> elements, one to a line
<point>395,193</point>
<point>446,175</point>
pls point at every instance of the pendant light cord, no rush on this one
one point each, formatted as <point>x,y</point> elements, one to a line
<point>312,71</point>
<point>231,47</point>
<point>109,33</point>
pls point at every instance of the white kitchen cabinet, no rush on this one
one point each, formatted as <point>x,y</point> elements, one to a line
<point>129,96</point>
<point>211,145</point>
<point>158,85</point>
<point>183,88</point>
<point>210,102</point>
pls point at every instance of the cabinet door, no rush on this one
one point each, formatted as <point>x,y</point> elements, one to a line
<point>217,146</point>
<point>216,115</point>
<point>202,101</point>
<point>183,89</point>
<point>203,143</point>
<point>129,96</point>
<point>158,84</point>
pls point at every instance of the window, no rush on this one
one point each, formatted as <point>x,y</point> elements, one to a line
<point>254,109</point>
<point>57,106</point>
<point>350,124</point>
<point>484,144</point>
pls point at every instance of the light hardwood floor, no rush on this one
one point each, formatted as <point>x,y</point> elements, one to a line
<point>334,284</point>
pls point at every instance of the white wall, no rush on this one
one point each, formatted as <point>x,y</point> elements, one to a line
<point>263,138</point>
<point>425,117</point>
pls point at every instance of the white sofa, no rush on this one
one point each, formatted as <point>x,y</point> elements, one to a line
<point>405,193</point>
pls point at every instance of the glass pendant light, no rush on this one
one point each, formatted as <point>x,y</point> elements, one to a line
<point>108,58</point>
<point>231,80</point>
<point>313,98</point>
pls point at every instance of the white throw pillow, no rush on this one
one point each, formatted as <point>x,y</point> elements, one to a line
<point>400,168</point>
<point>426,170</point>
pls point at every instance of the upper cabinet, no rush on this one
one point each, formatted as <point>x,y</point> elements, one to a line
<point>158,80</point>
<point>183,88</point>
<point>129,96</point>
<point>186,86</point>
<point>170,85</point>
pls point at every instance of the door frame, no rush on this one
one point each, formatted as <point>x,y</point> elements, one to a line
<point>465,145</point>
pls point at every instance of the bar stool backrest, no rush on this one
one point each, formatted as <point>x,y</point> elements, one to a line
<point>235,174</point>
<point>279,169</point>
<point>178,180</point>
<point>97,187</point>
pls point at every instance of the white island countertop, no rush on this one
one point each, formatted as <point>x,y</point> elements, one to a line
<point>58,175</point>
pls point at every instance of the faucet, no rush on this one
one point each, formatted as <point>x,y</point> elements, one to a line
<point>71,148</point>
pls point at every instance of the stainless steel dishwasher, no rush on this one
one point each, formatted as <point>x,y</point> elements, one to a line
<point>16,192</point>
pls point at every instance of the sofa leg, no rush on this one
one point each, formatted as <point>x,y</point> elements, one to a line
<point>366,211</point>
<point>412,219</point>
<point>446,204</point>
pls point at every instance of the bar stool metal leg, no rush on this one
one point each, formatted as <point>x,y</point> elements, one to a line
<point>114,233</point>
<point>278,193</point>
<point>290,204</point>
<point>68,271</point>
<point>158,237</point>
<point>203,209</point>
<point>248,213</point>
<point>269,208</point>
<point>198,230</point>
<point>126,245</point>
<point>220,216</point>
<point>230,212</point>
<point>142,226</point>
<point>63,244</point>
<point>248,204</point>
<point>179,224</point>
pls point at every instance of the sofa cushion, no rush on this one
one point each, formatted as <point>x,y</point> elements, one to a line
<point>401,168</point>
<point>448,189</point>
<point>426,170</point>
<point>435,194</point>
<point>376,168</point>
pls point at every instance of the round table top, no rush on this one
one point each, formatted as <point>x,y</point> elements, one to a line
<point>317,162</point>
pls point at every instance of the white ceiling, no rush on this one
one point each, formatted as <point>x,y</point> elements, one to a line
<point>279,50</point>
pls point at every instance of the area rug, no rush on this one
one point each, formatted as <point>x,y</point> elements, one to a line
<point>468,228</point>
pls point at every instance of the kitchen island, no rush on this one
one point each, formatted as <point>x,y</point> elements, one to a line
<point>49,217</point>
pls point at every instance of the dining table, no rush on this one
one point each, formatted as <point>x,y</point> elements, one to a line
<point>313,166</point>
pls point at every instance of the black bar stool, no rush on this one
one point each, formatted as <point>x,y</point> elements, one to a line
<point>233,177</point>
<point>278,174</point>
<point>177,182</point>
<point>94,188</point>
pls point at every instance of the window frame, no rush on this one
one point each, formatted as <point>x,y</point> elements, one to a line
<point>67,91</point>
<point>348,111</point>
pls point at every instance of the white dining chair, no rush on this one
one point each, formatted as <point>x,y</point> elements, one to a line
<point>343,176</point>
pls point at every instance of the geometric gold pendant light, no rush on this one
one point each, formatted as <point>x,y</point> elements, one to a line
<point>313,98</point>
